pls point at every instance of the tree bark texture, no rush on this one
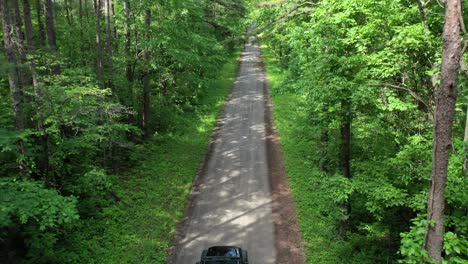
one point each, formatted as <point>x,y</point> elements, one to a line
<point>68,13</point>
<point>18,26</point>
<point>9,39</point>
<point>128,41</point>
<point>345,157</point>
<point>37,85</point>
<point>345,148</point>
<point>109,52</point>
<point>50,24</point>
<point>83,41</point>
<point>114,29</point>
<point>146,81</point>
<point>50,29</point>
<point>23,77</point>
<point>99,64</point>
<point>28,24</point>
<point>445,108</point>
<point>324,137</point>
<point>40,24</point>
<point>465,146</point>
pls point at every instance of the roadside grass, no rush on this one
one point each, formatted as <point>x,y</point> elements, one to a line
<point>322,244</point>
<point>140,227</point>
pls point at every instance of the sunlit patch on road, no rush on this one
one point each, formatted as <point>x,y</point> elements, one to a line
<point>233,206</point>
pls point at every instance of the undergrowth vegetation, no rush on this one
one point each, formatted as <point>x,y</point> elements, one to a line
<point>106,109</point>
<point>323,245</point>
<point>151,197</point>
<point>353,86</point>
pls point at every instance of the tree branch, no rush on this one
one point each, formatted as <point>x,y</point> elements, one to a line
<point>285,16</point>
<point>396,87</point>
<point>422,13</point>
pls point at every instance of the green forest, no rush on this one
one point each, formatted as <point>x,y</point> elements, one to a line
<point>107,108</point>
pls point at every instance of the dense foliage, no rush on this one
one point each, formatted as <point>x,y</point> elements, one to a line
<point>83,85</point>
<point>94,93</point>
<point>360,78</point>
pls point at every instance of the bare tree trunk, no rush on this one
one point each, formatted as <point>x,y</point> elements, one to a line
<point>146,81</point>
<point>99,65</point>
<point>15,90</point>
<point>445,108</point>
<point>40,24</point>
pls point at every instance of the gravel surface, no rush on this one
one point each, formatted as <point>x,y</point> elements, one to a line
<point>240,196</point>
<point>233,199</point>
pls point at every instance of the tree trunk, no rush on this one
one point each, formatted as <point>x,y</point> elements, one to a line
<point>146,81</point>
<point>37,84</point>
<point>89,37</point>
<point>80,17</point>
<point>68,13</point>
<point>28,24</point>
<point>18,25</point>
<point>465,146</point>
<point>15,90</point>
<point>323,165</point>
<point>345,148</point>
<point>109,65</point>
<point>19,41</point>
<point>50,25</point>
<point>128,41</point>
<point>445,108</point>
<point>113,15</point>
<point>99,65</point>
<point>345,156</point>
<point>86,11</point>
<point>82,40</point>
<point>50,28</point>
<point>40,24</point>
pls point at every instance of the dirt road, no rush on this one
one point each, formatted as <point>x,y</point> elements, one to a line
<point>232,202</point>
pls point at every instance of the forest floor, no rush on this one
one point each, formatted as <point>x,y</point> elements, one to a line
<point>240,196</point>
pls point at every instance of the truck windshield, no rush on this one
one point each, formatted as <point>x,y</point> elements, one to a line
<point>223,252</point>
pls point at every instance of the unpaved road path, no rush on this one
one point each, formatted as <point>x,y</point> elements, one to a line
<point>231,201</point>
<point>233,206</point>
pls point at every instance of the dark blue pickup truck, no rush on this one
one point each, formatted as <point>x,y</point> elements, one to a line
<point>224,255</point>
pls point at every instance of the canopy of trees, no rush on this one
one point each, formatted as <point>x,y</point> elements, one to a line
<point>81,83</point>
<point>369,71</point>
